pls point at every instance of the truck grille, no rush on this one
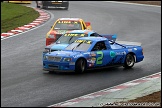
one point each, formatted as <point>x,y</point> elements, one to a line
<point>53,66</point>
<point>54,58</point>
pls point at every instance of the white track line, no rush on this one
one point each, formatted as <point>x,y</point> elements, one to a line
<point>132,3</point>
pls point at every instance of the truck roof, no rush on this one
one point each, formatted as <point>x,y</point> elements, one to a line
<point>93,38</point>
<point>81,31</point>
<point>71,19</point>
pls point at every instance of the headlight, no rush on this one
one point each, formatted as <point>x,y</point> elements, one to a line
<point>46,50</point>
<point>45,57</point>
<point>67,59</point>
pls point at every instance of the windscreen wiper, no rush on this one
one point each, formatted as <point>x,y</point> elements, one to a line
<point>77,45</point>
<point>70,39</point>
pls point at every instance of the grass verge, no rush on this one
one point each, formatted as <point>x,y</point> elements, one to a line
<point>16,15</point>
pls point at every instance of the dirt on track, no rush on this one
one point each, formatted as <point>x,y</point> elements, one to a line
<point>154,97</point>
<point>151,100</point>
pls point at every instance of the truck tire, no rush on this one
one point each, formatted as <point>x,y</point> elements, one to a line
<point>129,61</point>
<point>80,66</point>
<point>66,8</point>
<point>50,72</point>
<point>44,7</point>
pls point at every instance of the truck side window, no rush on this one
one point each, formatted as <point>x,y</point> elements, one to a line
<point>99,46</point>
<point>95,34</point>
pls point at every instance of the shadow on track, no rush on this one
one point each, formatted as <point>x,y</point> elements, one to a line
<point>93,71</point>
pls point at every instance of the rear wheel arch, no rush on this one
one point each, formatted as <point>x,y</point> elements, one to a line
<point>131,55</point>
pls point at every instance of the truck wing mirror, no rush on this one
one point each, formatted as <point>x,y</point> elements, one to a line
<point>87,23</point>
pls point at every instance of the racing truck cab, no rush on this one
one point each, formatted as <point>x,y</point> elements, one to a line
<point>93,52</point>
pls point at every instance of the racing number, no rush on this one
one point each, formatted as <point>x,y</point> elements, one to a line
<point>99,59</point>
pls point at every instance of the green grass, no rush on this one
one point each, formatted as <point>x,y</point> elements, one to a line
<point>16,15</point>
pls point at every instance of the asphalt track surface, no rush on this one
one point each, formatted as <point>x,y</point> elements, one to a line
<point>25,84</point>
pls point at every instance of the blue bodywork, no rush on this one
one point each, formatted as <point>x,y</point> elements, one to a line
<point>83,48</point>
<point>60,46</point>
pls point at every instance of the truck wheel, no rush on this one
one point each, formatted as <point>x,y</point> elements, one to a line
<point>38,6</point>
<point>80,66</point>
<point>50,72</point>
<point>44,7</point>
<point>66,8</point>
<point>129,61</point>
